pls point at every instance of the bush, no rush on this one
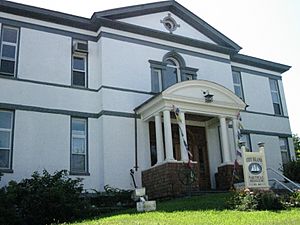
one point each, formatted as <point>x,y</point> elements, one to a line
<point>46,199</point>
<point>247,200</point>
<point>292,170</point>
<point>295,199</point>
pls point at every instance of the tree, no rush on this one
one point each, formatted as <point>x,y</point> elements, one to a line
<point>296,140</point>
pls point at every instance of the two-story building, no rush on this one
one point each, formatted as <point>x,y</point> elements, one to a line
<point>97,96</point>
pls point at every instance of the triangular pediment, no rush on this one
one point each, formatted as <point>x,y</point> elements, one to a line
<point>151,15</point>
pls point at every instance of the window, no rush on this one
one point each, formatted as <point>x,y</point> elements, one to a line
<point>156,82</point>
<point>275,97</point>
<point>284,149</point>
<point>246,138</point>
<point>79,70</point>
<point>9,47</point>
<point>79,146</point>
<point>172,73</point>
<point>237,83</point>
<point>6,132</point>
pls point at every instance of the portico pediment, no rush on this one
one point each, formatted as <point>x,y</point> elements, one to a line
<point>195,96</point>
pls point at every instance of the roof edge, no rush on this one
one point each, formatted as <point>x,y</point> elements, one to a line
<point>261,63</point>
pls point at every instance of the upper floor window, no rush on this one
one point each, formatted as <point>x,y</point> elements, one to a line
<point>79,145</point>
<point>246,139</point>
<point>275,97</point>
<point>237,83</point>
<point>284,150</point>
<point>79,64</point>
<point>6,134</point>
<point>9,49</point>
<point>169,72</point>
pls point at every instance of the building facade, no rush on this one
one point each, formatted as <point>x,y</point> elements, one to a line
<point>96,96</point>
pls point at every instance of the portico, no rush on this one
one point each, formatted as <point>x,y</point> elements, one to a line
<point>191,99</point>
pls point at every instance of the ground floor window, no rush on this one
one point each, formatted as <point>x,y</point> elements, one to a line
<point>284,149</point>
<point>6,135</point>
<point>79,145</point>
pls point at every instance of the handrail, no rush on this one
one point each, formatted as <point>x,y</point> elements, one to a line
<point>274,171</point>
<point>286,187</point>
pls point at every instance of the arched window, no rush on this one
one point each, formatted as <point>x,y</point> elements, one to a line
<point>170,71</point>
<point>172,74</point>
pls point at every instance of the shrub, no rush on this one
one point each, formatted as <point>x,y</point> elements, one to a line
<point>292,170</point>
<point>247,200</point>
<point>46,198</point>
<point>295,199</point>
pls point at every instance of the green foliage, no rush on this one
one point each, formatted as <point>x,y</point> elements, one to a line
<point>295,199</point>
<point>292,170</point>
<point>296,140</point>
<point>246,200</point>
<point>43,199</point>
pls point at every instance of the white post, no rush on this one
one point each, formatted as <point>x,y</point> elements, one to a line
<point>159,139</point>
<point>168,136</point>
<point>224,140</point>
<point>183,137</point>
<point>235,133</point>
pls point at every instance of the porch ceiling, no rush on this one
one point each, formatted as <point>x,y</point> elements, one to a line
<point>189,96</point>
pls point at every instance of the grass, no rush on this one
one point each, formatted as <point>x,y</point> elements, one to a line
<point>205,209</point>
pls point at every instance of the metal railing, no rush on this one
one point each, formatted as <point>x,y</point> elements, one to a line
<point>285,178</point>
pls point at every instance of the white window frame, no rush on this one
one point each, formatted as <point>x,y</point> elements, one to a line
<point>284,150</point>
<point>240,85</point>
<point>84,57</point>
<point>80,136</point>
<point>159,77</point>
<point>9,149</point>
<point>278,95</point>
<point>9,44</point>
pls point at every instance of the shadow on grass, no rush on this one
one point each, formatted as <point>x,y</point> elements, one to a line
<point>202,202</point>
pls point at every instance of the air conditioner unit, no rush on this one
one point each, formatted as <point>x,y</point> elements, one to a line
<point>80,47</point>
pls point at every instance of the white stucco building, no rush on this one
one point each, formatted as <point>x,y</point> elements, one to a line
<point>95,96</point>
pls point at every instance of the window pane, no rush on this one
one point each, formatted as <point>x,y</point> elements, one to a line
<point>8,51</point>
<point>169,77</point>
<point>285,157</point>
<point>277,109</point>
<point>5,120</point>
<point>275,97</point>
<point>4,139</point>
<point>79,78</point>
<point>78,163</point>
<point>78,63</point>
<point>238,91</point>
<point>246,138</point>
<point>78,146</point>
<point>78,126</point>
<point>7,66</point>
<point>10,35</point>
<point>4,158</point>
<point>283,144</point>
<point>273,85</point>
<point>155,81</point>
<point>236,77</point>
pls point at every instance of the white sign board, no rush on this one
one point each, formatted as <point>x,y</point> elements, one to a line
<point>255,171</point>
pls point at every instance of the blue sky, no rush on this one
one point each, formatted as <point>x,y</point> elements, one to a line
<point>265,29</point>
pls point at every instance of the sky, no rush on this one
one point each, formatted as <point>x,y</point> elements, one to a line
<point>263,28</point>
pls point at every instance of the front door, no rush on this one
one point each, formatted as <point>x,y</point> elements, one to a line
<point>197,144</point>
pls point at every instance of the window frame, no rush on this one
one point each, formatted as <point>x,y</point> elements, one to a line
<point>277,92</point>
<point>84,57</point>
<point>287,150</point>
<point>85,137</point>
<point>11,142</point>
<point>16,45</point>
<point>240,85</point>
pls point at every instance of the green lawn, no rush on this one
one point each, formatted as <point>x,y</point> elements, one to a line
<point>205,209</point>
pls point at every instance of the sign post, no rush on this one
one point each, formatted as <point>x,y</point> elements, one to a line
<point>254,167</point>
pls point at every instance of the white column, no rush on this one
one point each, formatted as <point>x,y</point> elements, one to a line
<point>235,133</point>
<point>183,137</point>
<point>168,136</point>
<point>159,139</point>
<point>224,140</point>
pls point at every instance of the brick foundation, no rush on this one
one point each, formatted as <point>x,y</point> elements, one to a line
<point>165,180</point>
<point>224,177</point>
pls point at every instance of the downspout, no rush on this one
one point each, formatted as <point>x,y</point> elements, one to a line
<point>135,142</point>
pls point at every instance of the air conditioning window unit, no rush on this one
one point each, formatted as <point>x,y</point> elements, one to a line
<point>81,47</point>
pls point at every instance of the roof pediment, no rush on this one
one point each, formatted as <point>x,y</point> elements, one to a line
<point>191,96</point>
<point>120,14</point>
